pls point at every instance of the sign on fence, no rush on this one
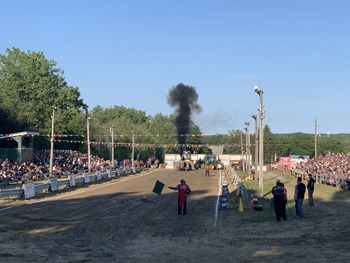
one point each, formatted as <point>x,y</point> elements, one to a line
<point>71,180</point>
<point>98,175</point>
<point>134,169</point>
<point>53,185</point>
<point>29,190</point>
<point>86,178</point>
<point>225,190</point>
<point>223,203</point>
<point>108,173</point>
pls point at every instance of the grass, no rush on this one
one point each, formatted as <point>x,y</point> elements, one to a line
<point>328,200</point>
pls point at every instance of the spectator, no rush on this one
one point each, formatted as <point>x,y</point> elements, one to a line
<point>310,188</point>
<point>278,192</point>
<point>300,197</point>
<point>332,169</point>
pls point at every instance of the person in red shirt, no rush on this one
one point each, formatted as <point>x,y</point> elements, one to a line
<point>183,190</point>
<point>207,168</point>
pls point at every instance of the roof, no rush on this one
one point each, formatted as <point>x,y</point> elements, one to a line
<point>217,149</point>
<point>24,133</point>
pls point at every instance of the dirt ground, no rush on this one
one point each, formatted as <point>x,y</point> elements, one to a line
<point>121,220</point>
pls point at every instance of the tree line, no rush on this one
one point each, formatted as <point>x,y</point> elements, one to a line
<point>31,85</point>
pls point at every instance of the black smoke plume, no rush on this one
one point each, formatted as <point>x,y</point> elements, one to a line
<point>184,99</point>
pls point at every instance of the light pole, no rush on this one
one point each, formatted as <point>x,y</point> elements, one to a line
<point>133,147</point>
<point>246,150</point>
<point>261,139</point>
<point>112,159</point>
<point>242,154</point>
<point>255,117</point>
<point>248,147</point>
<point>52,138</point>
<point>88,141</point>
<point>315,139</point>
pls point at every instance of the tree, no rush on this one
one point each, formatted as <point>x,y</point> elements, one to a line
<point>163,130</point>
<point>332,144</point>
<point>234,141</point>
<point>269,144</point>
<point>30,86</point>
<point>125,120</point>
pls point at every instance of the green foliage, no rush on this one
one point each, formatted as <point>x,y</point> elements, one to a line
<point>304,144</point>
<point>331,144</point>
<point>236,140</point>
<point>127,120</point>
<point>30,86</point>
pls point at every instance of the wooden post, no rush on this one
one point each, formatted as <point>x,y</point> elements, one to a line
<point>315,139</point>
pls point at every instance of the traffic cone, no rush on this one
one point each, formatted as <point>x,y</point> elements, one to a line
<point>240,205</point>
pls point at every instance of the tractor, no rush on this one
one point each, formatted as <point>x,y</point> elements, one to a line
<point>185,164</point>
<point>198,164</point>
<point>214,163</point>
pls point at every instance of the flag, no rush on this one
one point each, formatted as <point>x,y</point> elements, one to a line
<point>158,187</point>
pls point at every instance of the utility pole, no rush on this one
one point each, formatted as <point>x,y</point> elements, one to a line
<point>315,139</point>
<point>88,141</point>
<point>248,147</point>
<point>242,160</point>
<point>52,138</point>
<point>133,148</point>
<point>249,172</point>
<point>261,140</point>
<point>255,117</point>
<point>112,140</point>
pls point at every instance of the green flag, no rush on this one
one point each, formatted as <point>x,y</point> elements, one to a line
<point>158,187</point>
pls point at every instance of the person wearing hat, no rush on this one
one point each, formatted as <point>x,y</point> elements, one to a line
<point>279,193</point>
<point>183,190</point>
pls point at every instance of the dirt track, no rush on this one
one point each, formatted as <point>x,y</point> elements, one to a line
<point>121,220</point>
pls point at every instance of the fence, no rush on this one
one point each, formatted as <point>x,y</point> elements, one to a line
<point>237,184</point>
<point>336,181</point>
<point>39,176</point>
<point>61,183</point>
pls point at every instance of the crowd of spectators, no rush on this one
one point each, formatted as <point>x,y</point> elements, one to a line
<point>332,169</point>
<point>64,162</point>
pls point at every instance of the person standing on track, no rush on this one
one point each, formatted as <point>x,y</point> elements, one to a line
<point>310,188</point>
<point>207,168</point>
<point>300,197</point>
<point>183,190</point>
<point>295,199</point>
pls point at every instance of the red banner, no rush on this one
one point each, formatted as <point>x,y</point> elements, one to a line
<point>286,161</point>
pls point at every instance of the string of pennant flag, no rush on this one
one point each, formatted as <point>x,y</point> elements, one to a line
<point>128,135</point>
<point>59,140</point>
<point>157,145</point>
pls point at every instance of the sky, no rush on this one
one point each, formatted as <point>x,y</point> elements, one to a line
<point>133,52</point>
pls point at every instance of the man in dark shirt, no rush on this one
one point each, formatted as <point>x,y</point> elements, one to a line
<point>310,188</point>
<point>279,201</point>
<point>300,197</point>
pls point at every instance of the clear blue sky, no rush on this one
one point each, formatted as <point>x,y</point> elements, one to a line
<point>132,52</point>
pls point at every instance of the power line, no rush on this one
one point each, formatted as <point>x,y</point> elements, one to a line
<point>330,129</point>
<point>208,123</point>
